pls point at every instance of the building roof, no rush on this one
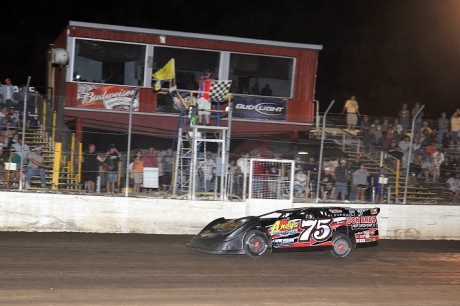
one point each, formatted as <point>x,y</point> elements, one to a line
<point>195,35</point>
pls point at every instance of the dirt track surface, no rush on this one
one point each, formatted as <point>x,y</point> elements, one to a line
<point>99,269</point>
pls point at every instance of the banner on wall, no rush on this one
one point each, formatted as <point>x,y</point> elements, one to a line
<point>106,97</point>
<point>259,108</point>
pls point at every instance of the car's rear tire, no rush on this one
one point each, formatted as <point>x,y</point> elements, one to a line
<point>255,243</point>
<point>341,246</point>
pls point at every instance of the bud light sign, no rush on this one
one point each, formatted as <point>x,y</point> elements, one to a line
<point>259,108</point>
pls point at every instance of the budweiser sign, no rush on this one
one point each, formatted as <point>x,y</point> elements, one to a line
<point>106,97</point>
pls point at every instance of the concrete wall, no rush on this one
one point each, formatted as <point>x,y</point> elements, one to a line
<point>42,212</point>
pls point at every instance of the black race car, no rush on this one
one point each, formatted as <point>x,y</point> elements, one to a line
<point>335,229</point>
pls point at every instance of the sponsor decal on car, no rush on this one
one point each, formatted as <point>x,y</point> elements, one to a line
<point>362,222</point>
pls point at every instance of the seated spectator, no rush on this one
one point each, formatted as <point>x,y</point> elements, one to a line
<point>397,127</point>
<point>426,128</point>
<point>385,140</point>
<point>364,126</point>
<point>369,140</point>
<point>428,168</point>
<point>421,150</point>
<point>416,165</point>
<point>15,162</point>
<point>453,183</point>
<point>433,147</point>
<point>425,139</point>
<point>2,176</point>
<point>36,167</point>
<point>394,150</point>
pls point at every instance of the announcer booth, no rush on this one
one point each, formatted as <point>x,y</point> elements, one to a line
<point>272,82</point>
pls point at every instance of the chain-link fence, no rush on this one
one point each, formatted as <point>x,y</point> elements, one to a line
<point>96,161</point>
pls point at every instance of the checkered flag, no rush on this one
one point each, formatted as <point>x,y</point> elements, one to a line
<point>219,90</point>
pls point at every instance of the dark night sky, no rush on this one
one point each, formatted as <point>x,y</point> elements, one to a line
<point>386,52</point>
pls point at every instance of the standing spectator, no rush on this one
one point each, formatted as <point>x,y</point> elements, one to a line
<point>360,181</point>
<point>242,169</point>
<point>455,128</point>
<point>300,183</point>
<point>138,171</point>
<point>90,168</point>
<point>443,126</point>
<point>327,184</point>
<point>7,91</point>
<point>438,159</point>
<point>255,89</point>
<point>110,160</point>
<point>266,91</point>
<point>161,172</point>
<point>207,169</point>
<point>204,104</point>
<point>36,166</point>
<point>364,126</point>
<point>405,146</point>
<point>150,159</point>
<point>381,182</point>
<point>312,171</point>
<point>404,115</point>
<point>377,129</point>
<point>418,121</point>
<point>166,162</point>
<point>354,165</point>
<point>352,109</point>
<point>258,172</point>
<point>341,180</point>
<point>231,171</point>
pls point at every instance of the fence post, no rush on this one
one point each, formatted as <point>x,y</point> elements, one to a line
<point>56,165</point>
<point>43,119</point>
<point>72,154</point>
<point>79,162</point>
<point>397,178</point>
<point>53,128</point>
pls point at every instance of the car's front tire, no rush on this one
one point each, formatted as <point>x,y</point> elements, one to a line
<point>341,246</point>
<point>255,243</point>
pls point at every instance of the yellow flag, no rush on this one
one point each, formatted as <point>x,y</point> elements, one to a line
<point>165,73</point>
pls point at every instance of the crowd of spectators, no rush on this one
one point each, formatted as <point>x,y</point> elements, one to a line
<point>430,156</point>
<point>100,171</point>
<point>18,105</point>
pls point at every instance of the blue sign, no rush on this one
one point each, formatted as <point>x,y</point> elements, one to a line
<point>259,108</point>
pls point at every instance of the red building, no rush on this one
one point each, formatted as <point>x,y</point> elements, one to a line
<point>273,83</point>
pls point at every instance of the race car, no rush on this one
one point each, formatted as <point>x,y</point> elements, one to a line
<point>336,230</point>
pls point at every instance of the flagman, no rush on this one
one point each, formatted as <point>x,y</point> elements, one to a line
<point>204,103</point>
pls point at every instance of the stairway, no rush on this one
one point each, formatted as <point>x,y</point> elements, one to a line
<point>66,180</point>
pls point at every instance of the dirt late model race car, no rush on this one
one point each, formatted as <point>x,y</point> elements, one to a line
<point>334,229</point>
